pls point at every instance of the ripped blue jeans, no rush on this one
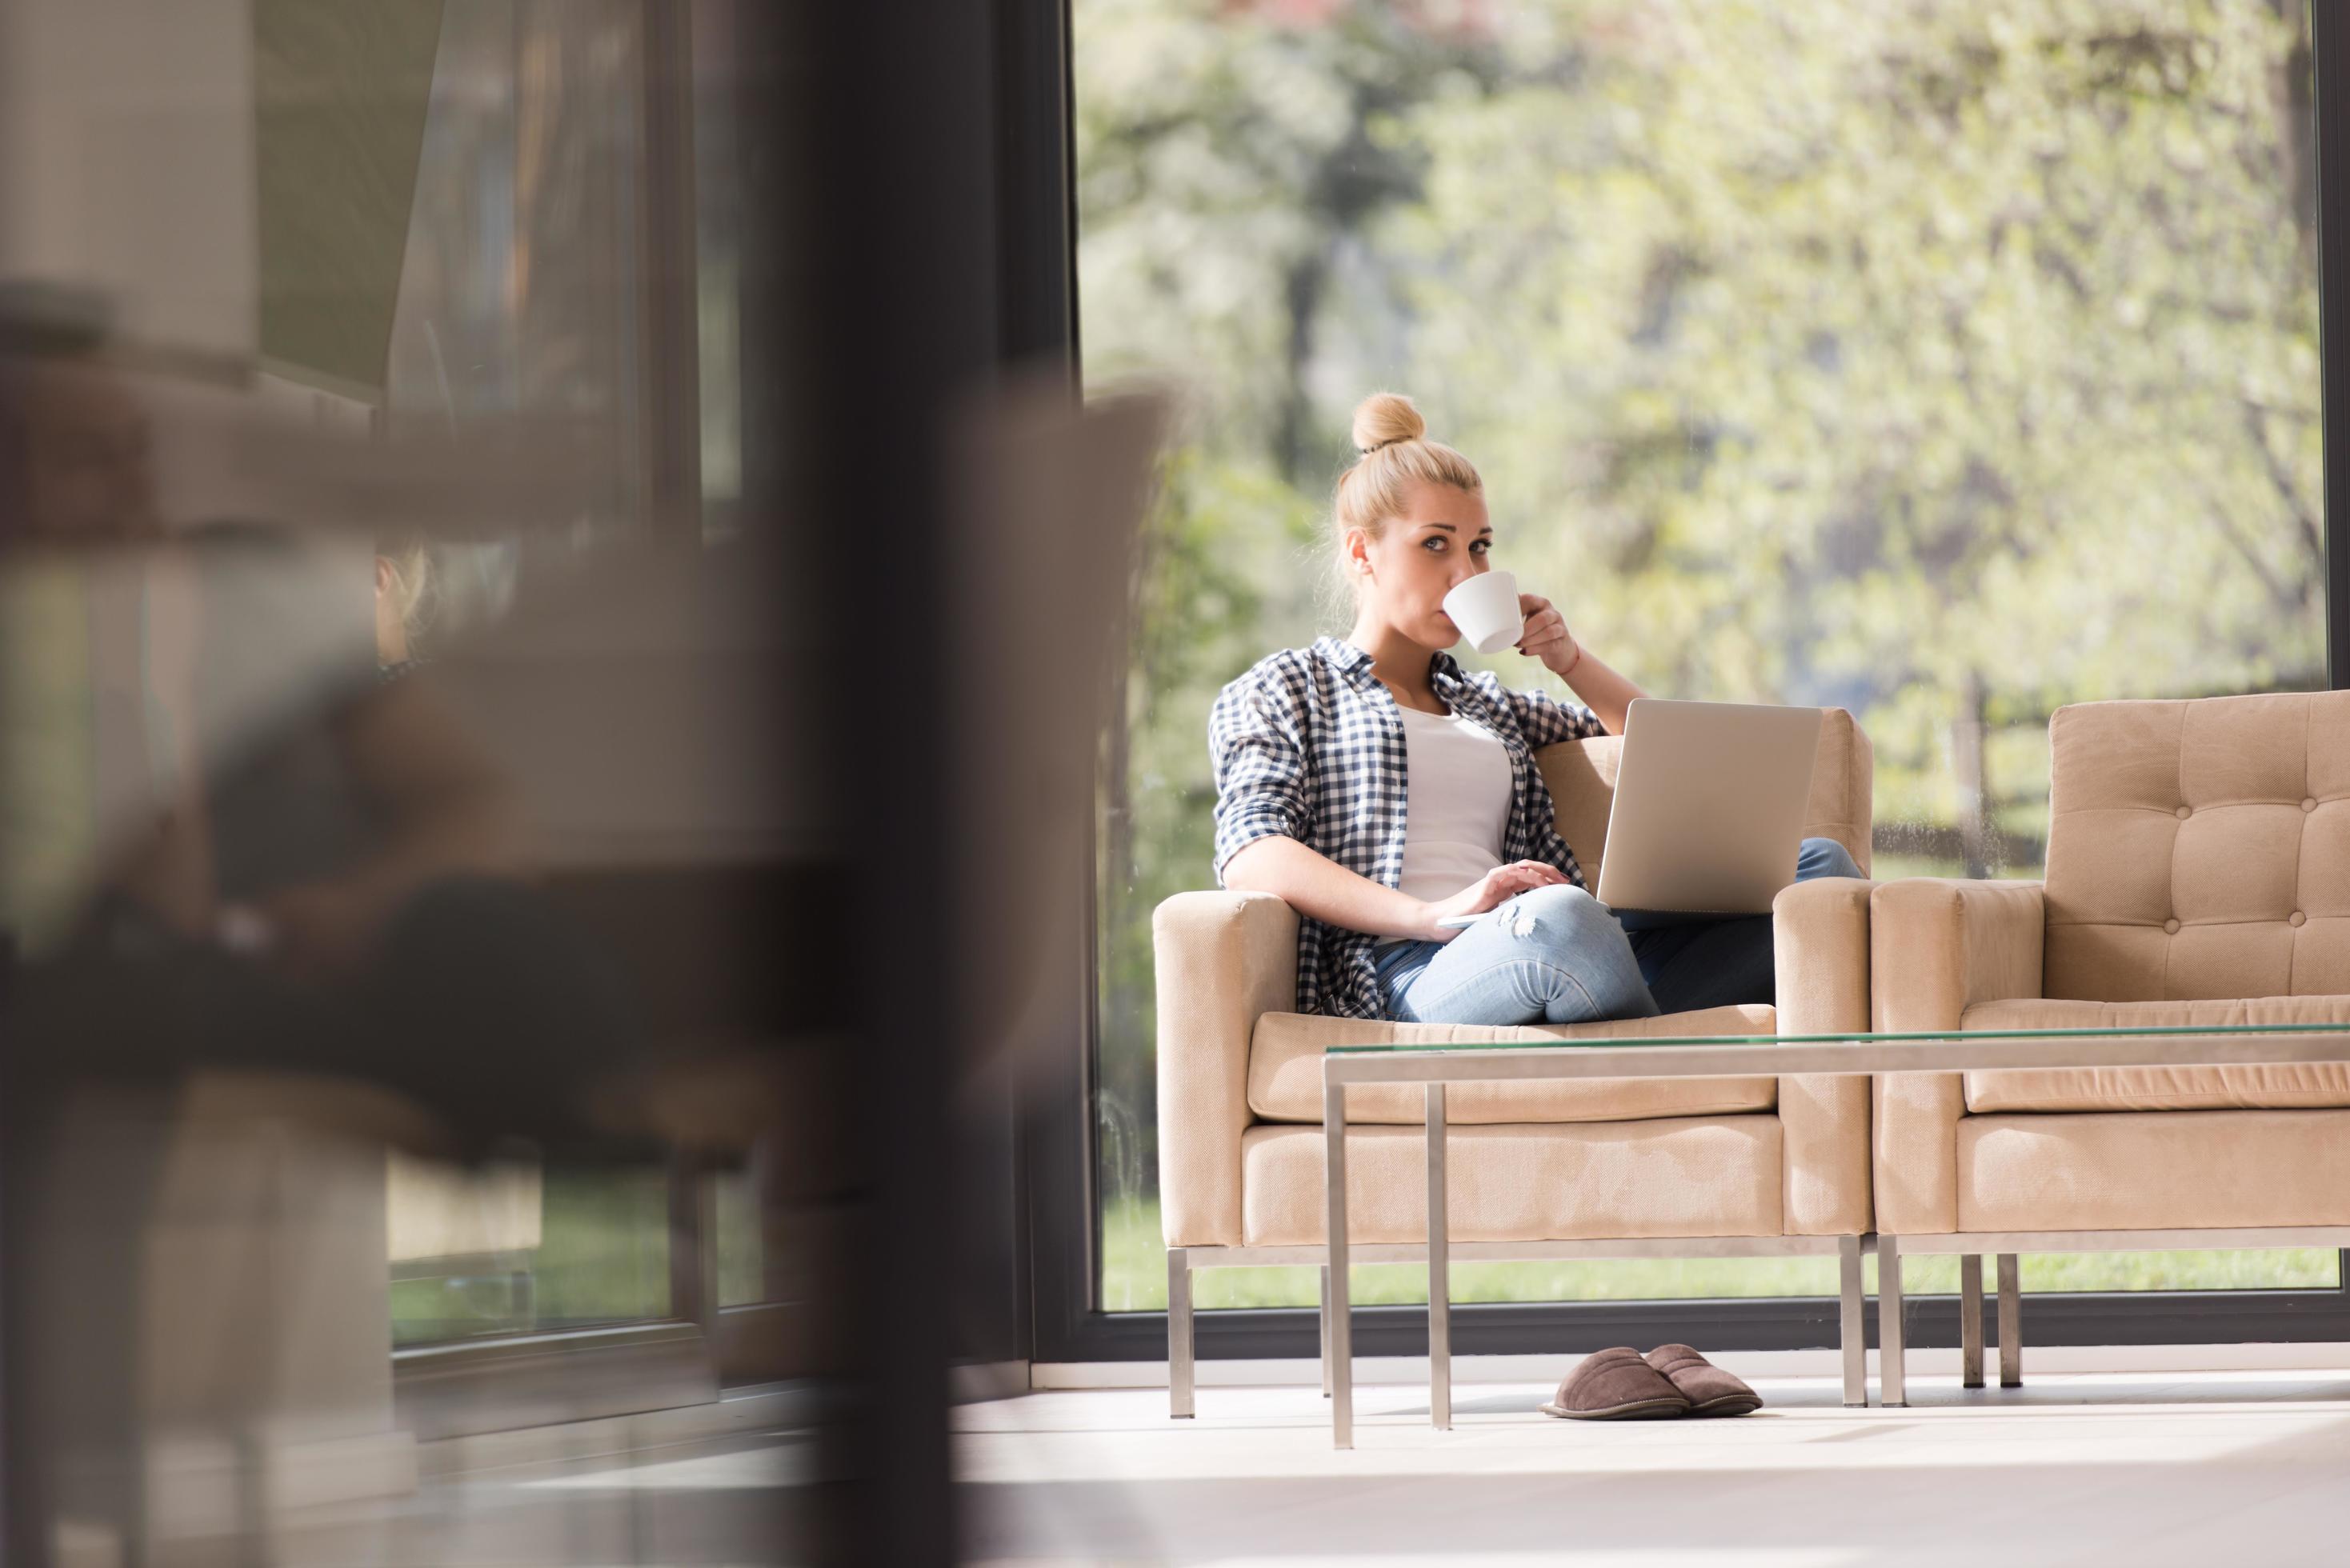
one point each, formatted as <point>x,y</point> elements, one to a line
<point>1558,955</point>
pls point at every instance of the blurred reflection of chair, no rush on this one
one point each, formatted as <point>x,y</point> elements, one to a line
<point>262,1316</point>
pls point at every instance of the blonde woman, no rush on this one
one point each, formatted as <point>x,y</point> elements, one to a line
<point>1378,787</point>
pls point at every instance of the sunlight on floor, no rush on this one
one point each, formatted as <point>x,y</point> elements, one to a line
<point>2070,1466</point>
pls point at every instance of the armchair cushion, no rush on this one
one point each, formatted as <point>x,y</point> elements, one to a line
<point>2281,1085</point>
<point>1286,1071</point>
<point>2154,1171</point>
<point>1714,1176</point>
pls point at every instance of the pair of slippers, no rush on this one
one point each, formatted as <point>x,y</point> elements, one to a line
<point>1622,1385</point>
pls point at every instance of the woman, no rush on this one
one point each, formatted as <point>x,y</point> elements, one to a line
<point>1377,788</point>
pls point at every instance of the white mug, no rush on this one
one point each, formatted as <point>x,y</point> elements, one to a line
<point>1485,608</point>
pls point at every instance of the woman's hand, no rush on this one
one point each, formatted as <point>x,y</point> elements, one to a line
<point>1545,637</point>
<point>1488,892</point>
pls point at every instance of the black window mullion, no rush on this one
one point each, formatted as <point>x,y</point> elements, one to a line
<point>2330,58</point>
<point>2329,38</point>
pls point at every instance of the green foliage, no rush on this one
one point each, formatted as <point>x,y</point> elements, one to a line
<point>1957,341</point>
<point>1946,362</point>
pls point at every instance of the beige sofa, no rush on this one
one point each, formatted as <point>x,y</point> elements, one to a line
<point>2198,872</point>
<point>1762,1166</point>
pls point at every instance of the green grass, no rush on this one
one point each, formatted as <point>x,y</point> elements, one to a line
<point>602,1257</point>
<point>742,1263</point>
<point>1134,1274</point>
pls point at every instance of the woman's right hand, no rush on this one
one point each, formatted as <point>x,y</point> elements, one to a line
<point>1490,891</point>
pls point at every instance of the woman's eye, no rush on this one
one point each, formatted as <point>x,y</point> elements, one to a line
<point>1433,546</point>
<point>1482,547</point>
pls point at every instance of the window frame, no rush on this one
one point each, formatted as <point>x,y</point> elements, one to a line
<point>1065,1227</point>
<point>687,1354</point>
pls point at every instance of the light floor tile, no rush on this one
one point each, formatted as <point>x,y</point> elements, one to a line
<point>2079,1468</point>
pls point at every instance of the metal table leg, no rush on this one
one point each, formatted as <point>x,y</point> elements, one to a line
<point>1440,1271</point>
<point>1178,1332</point>
<point>2010,1322</point>
<point>1342,1350</point>
<point>1892,1373</point>
<point>1852,1327</point>
<point>1324,1321</point>
<point>1970,1328</point>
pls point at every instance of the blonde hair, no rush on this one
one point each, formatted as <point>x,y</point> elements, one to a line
<point>1396,453</point>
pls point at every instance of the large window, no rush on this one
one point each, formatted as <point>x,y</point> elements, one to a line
<point>1947,363</point>
<point>567,277</point>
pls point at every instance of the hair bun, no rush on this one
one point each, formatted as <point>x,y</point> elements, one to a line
<point>1384,419</point>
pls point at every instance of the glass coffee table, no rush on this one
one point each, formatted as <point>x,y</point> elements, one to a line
<point>1741,1056</point>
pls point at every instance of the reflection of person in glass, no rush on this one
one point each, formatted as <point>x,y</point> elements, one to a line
<point>1316,750</point>
<point>324,838</point>
<point>342,896</point>
<point>404,589</point>
<point>345,893</point>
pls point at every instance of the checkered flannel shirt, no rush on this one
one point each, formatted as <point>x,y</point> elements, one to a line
<point>1308,744</point>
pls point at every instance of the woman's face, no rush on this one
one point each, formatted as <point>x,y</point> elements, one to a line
<point>1439,539</point>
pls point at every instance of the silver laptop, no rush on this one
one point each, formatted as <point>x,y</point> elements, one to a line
<point>1710,802</point>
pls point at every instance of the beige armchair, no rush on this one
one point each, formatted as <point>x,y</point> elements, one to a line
<point>2199,873</point>
<point>1754,1166</point>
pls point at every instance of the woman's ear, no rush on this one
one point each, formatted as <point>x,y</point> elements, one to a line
<point>1358,546</point>
<point>383,576</point>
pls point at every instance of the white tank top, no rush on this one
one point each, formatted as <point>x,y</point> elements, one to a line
<point>1456,804</point>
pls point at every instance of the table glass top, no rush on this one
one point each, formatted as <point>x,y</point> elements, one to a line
<point>2184,1030</point>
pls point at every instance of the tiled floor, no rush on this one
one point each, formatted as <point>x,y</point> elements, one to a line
<point>2213,1469</point>
<point>2245,1468</point>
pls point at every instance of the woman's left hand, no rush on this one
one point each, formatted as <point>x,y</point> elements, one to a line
<point>1545,637</point>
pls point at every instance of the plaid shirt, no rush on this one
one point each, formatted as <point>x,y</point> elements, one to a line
<point>1308,745</point>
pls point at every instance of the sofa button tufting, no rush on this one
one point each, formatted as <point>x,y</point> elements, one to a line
<point>2184,810</point>
<point>2309,805</point>
<point>2297,917</point>
<point>2171,925</point>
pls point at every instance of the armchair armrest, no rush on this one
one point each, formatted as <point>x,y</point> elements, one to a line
<point>1820,945</point>
<point>1938,945</point>
<point>1224,960</point>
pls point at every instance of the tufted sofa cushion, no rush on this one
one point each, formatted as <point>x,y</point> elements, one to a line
<point>2200,849</point>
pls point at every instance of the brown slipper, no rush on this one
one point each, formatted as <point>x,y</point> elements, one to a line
<point>1710,1390</point>
<point>1616,1385</point>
